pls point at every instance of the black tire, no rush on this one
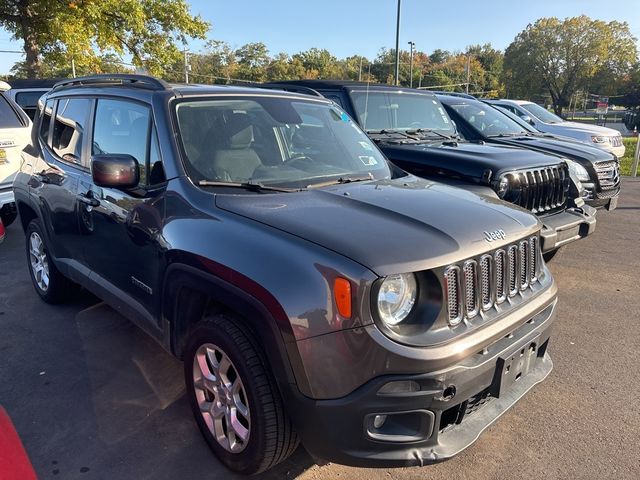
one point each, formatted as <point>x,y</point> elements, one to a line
<point>271,436</point>
<point>548,256</point>
<point>59,287</point>
<point>9,217</point>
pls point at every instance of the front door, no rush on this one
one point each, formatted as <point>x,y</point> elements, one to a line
<point>124,247</point>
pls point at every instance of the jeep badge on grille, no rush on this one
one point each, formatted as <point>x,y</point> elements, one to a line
<point>494,235</point>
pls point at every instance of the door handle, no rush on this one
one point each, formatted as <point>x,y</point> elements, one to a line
<point>87,199</point>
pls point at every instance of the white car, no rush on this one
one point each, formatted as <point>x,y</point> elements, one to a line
<point>15,132</point>
<point>545,121</point>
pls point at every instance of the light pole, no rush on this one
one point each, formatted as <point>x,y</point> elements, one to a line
<point>412,46</point>
<point>397,76</point>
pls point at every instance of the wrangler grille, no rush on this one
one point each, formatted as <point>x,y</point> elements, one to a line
<point>539,190</point>
<point>479,285</point>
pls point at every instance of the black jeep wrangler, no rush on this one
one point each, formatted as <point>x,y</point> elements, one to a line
<point>314,291</point>
<point>414,131</point>
<point>597,171</point>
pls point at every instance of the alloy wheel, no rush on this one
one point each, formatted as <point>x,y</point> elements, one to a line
<point>221,397</point>
<point>39,262</point>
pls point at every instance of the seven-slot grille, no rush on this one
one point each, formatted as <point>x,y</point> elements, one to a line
<point>540,189</point>
<point>480,284</point>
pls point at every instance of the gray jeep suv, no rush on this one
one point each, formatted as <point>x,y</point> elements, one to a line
<point>314,291</point>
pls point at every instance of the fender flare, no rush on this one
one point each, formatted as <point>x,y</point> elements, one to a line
<point>264,316</point>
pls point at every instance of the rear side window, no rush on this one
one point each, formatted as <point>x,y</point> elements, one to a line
<point>46,121</point>
<point>8,117</point>
<point>69,127</point>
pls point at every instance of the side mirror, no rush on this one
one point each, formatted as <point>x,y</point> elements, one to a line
<point>115,171</point>
<point>528,119</point>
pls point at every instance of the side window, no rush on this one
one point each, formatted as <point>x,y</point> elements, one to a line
<point>123,127</point>
<point>29,101</point>
<point>45,121</point>
<point>8,118</point>
<point>68,128</point>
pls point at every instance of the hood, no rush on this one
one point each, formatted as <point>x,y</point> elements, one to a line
<point>466,159</point>
<point>575,128</point>
<point>575,150</point>
<point>389,226</point>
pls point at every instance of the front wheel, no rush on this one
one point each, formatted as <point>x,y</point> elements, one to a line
<point>234,398</point>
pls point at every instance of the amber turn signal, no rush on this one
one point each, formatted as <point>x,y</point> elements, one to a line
<point>342,294</point>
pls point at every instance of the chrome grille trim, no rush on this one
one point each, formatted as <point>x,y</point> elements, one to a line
<point>470,273</point>
<point>500,260</point>
<point>608,174</point>
<point>539,189</point>
<point>480,284</point>
<point>512,270</point>
<point>533,259</point>
<point>523,264</point>
<point>452,289</point>
<point>486,276</point>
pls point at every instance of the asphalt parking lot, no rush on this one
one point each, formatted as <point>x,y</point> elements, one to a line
<point>92,397</point>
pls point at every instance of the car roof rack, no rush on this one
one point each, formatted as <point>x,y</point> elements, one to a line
<point>141,81</point>
<point>291,88</point>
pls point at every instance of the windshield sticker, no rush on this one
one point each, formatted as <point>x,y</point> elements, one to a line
<point>366,146</point>
<point>367,160</point>
<point>344,117</point>
<point>443,115</point>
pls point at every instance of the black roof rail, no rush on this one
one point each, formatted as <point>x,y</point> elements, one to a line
<point>291,88</point>
<point>142,81</point>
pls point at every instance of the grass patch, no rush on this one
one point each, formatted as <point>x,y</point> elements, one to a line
<point>627,161</point>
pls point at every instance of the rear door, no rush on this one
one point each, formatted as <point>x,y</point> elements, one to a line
<point>56,174</point>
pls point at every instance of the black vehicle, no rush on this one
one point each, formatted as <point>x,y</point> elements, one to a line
<point>598,170</point>
<point>415,132</point>
<point>314,291</point>
<point>26,92</point>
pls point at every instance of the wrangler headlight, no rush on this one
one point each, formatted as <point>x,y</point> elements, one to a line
<point>396,297</point>
<point>578,171</point>
<point>503,187</point>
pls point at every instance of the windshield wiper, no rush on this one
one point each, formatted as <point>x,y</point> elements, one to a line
<point>390,132</point>
<point>430,130</point>
<point>505,135</point>
<point>343,179</point>
<point>255,187</point>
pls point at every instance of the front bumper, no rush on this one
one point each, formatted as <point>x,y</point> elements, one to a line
<point>448,412</point>
<point>567,226</point>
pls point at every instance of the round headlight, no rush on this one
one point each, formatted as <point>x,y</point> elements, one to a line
<point>396,297</point>
<point>577,170</point>
<point>503,186</point>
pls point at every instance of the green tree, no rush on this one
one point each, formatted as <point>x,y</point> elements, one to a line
<point>563,56</point>
<point>148,30</point>
<point>253,59</point>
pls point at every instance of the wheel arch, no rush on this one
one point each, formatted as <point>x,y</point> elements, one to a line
<point>189,292</point>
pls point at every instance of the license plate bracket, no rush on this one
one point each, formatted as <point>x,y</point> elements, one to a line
<point>513,365</point>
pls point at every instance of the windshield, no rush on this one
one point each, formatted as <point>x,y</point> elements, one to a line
<point>526,126</point>
<point>396,110</point>
<point>541,113</point>
<point>487,120</point>
<point>274,141</point>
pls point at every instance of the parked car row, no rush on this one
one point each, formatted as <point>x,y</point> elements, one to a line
<point>334,263</point>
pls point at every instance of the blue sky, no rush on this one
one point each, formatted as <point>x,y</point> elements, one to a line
<point>349,27</point>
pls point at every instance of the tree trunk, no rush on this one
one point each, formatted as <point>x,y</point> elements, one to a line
<point>33,64</point>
